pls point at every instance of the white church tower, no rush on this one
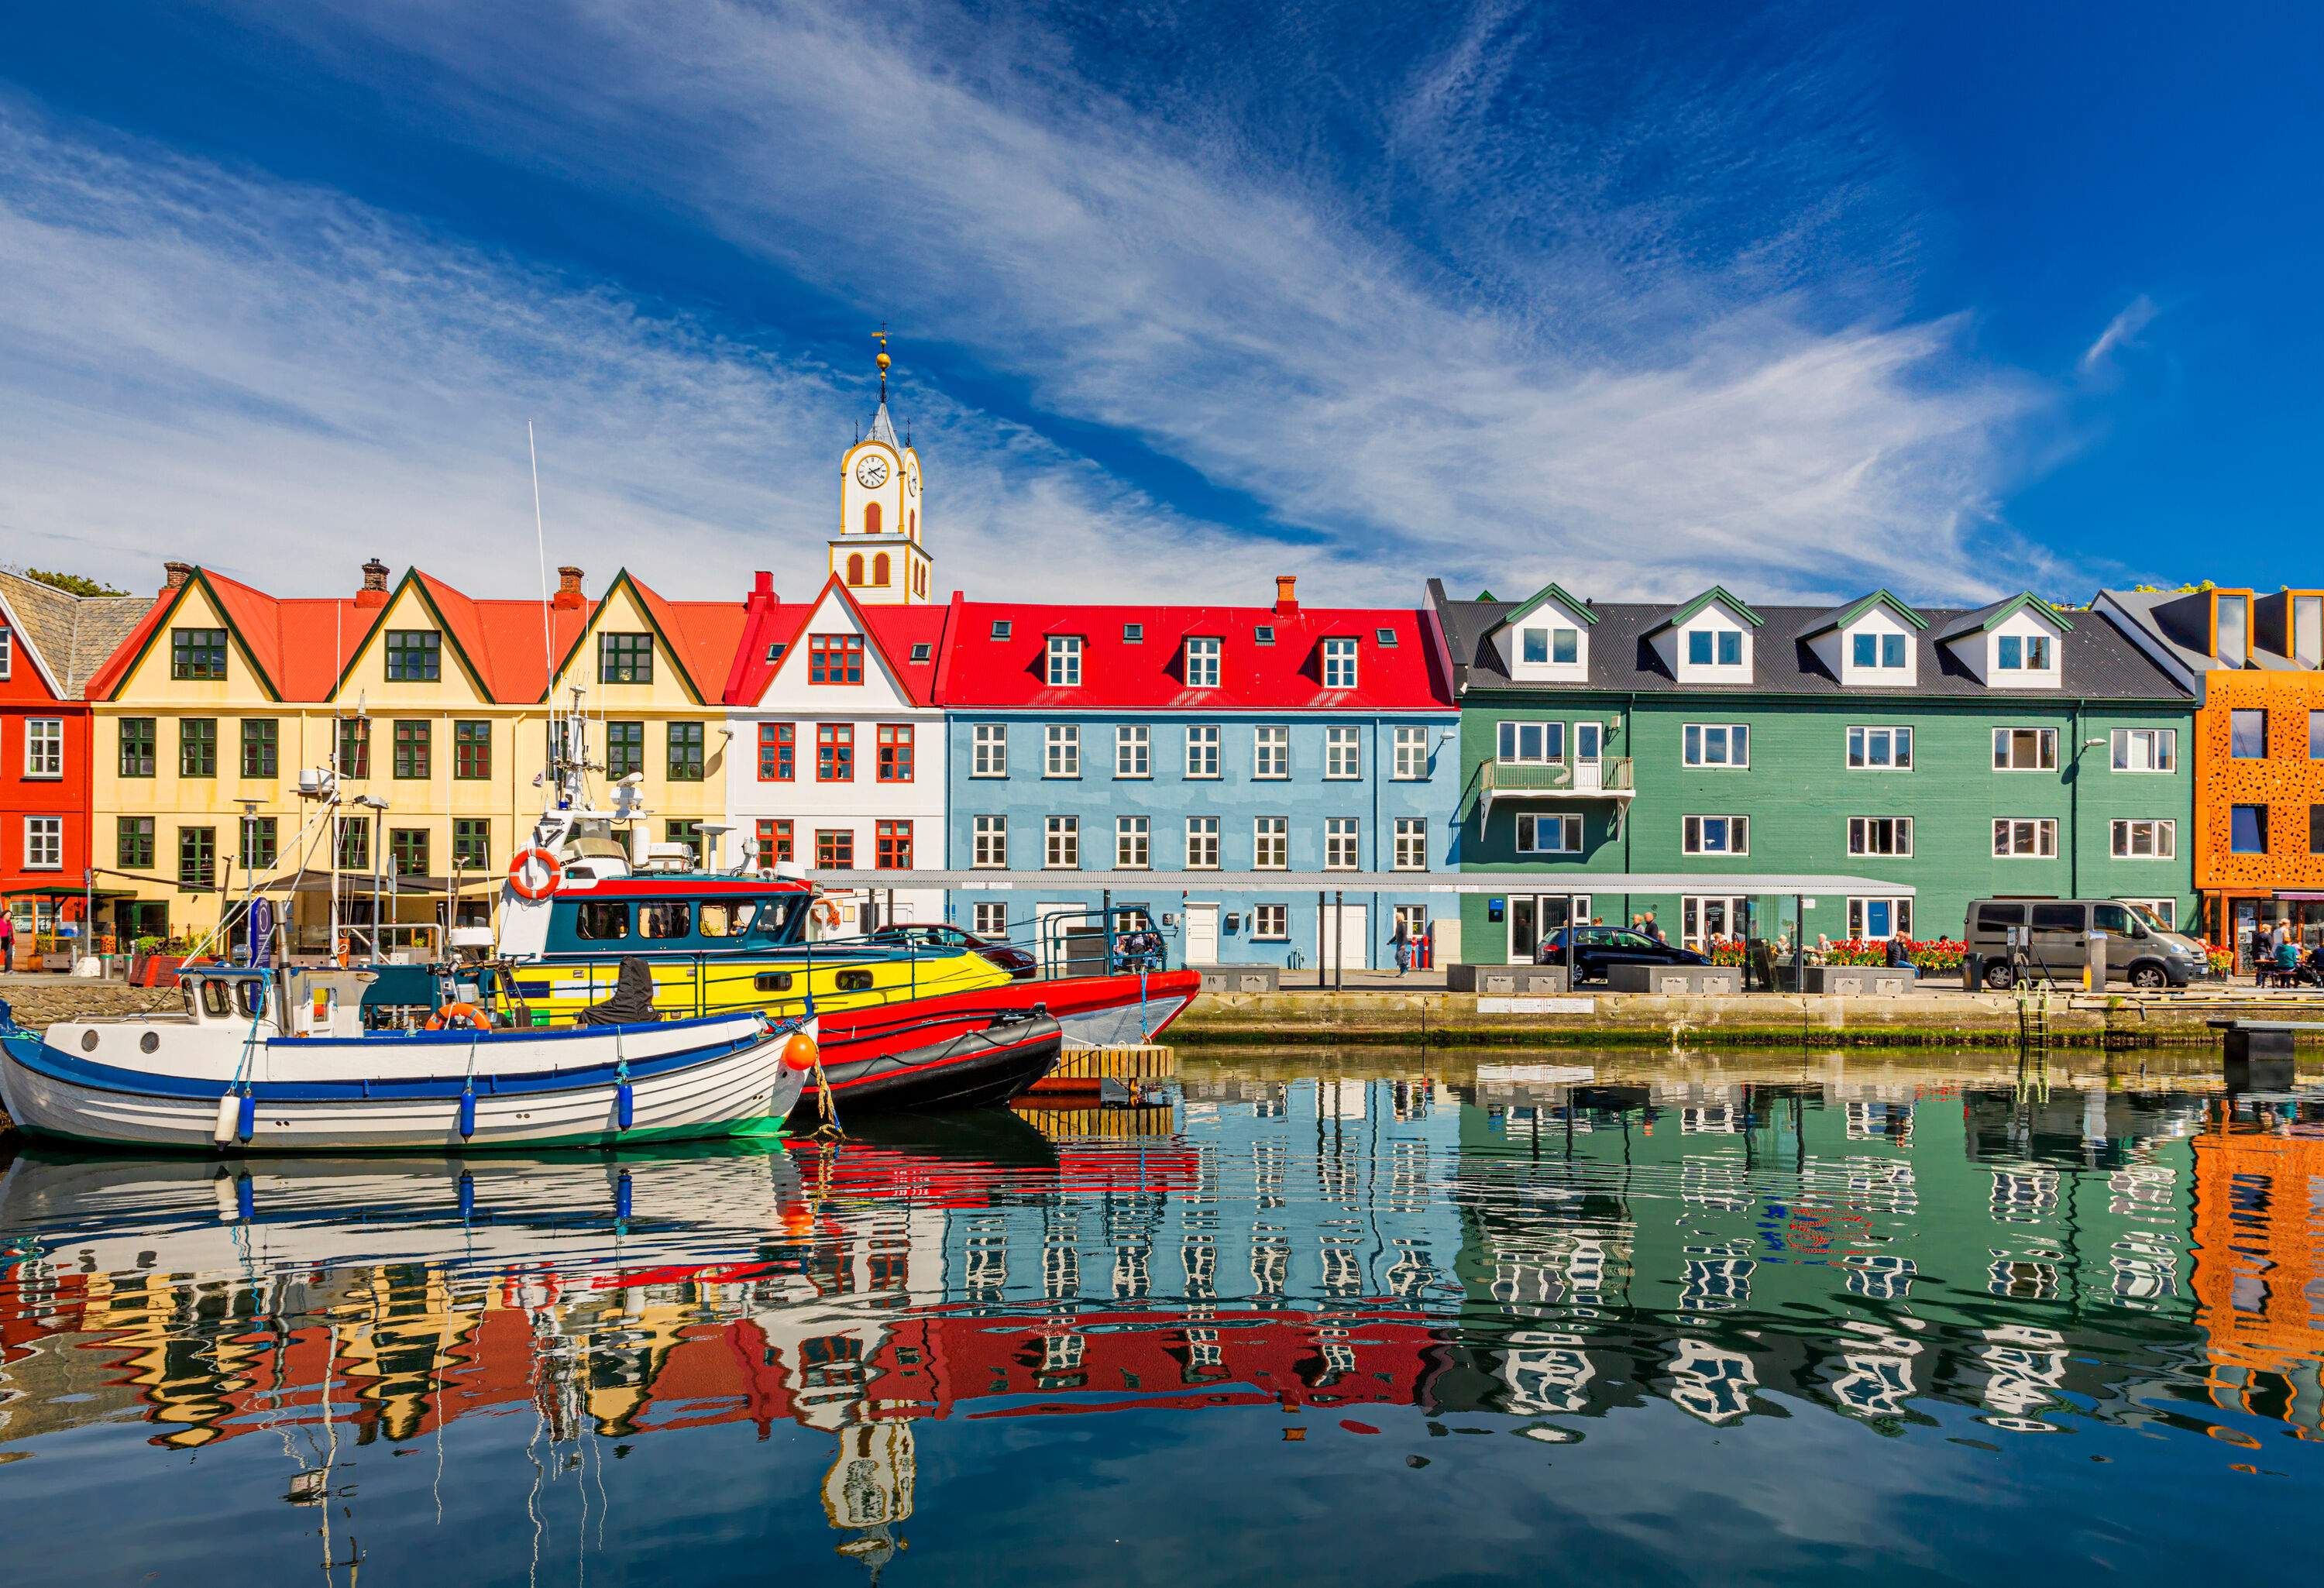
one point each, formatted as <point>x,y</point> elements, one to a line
<point>877,553</point>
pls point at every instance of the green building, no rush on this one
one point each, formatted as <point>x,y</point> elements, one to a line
<point>2015,750</point>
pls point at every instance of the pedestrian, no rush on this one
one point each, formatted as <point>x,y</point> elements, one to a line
<point>1652,929</point>
<point>1401,941</point>
<point>7,943</point>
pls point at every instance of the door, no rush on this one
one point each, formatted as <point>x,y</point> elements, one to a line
<point>1588,741</point>
<point>1353,946</point>
<point>1201,934</point>
<point>1535,916</point>
<point>1703,917</point>
<point>2061,944</point>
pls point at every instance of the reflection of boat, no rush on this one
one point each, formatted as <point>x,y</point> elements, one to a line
<point>278,1060</point>
<point>703,1203</point>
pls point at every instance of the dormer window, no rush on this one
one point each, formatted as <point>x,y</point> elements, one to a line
<point>1541,647</point>
<point>1001,628</point>
<point>1133,634</point>
<point>1339,663</point>
<point>2022,654</point>
<point>1203,662</point>
<point>1714,648</point>
<point>1883,653</point>
<point>2233,645</point>
<point>1065,661</point>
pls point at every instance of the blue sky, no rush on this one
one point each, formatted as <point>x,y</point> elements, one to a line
<point>1800,298</point>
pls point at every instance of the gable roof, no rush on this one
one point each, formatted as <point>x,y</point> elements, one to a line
<point>892,633</point>
<point>2105,661</point>
<point>69,637</point>
<point>700,636</point>
<point>502,640</point>
<point>295,644</point>
<point>1679,614</point>
<point>1984,618</point>
<point>1543,596</point>
<point>1148,674</point>
<point>1840,617</point>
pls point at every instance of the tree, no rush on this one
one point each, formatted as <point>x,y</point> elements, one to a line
<point>72,584</point>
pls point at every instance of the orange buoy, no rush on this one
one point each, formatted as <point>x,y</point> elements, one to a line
<point>521,870</point>
<point>800,1053</point>
<point>453,1014</point>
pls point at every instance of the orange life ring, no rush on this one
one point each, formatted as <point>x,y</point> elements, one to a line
<point>554,874</point>
<point>827,911</point>
<point>343,951</point>
<point>452,1014</point>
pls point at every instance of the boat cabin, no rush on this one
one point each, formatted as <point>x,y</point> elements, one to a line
<point>324,1001</point>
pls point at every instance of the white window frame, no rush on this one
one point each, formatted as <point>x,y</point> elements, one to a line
<point>2033,654</point>
<point>1343,753</point>
<point>1271,835</point>
<point>2166,911</point>
<point>1859,834</point>
<point>988,848</point>
<point>2162,837</point>
<point>1562,828</point>
<point>1695,745</point>
<point>1344,843</point>
<point>1693,831</point>
<point>1133,750</point>
<point>1900,917</point>
<point>1711,637</point>
<point>47,856</point>
<point>988,920</point>
<point>1061,844</point>
<point>1270,751</point>
<point>2044,836</point>
<point>1411,852</point>
<point>1411,761</point>
<point>2045,750</point>
<point>2162,750</point>
<point>1064,670</point>
<point>7,653</point>
<point>1509,735</point>
<point>1858,742</point>
<point>44,734</point>
<point>1202,661</point>
<point>1880,647</point>
<point>1202,843</point>
<point>1270,923</point>
<point>1203,758</point>
<point>1339,652</point>
<point>990,758</point>
<point>1133,844</point>
<point>1061,751</point>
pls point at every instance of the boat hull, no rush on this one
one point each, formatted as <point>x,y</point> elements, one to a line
<point>528,1090</point>
<point>972,1069</point>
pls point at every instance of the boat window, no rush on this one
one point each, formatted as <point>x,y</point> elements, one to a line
<point>722,919</point>
<point>777,920</point>
<point>193,1000</point>
<point>665,921</point>
<point>215,1000</point>
<point>250,995</point>
<point>600,922</point>
<point>773,981</point>
<point>854,981</point>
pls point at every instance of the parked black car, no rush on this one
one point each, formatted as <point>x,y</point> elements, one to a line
<point>1019,965</point>
<point>1598,948</point>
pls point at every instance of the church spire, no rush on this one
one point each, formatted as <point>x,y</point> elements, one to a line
<point>881,428</point>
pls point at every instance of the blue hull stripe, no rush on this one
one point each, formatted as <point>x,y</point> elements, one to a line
<point>36,1056</point>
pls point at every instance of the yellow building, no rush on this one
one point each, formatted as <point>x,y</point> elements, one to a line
<point>433,709</point>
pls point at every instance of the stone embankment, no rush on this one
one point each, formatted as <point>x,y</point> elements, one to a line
<point>36,1001</point>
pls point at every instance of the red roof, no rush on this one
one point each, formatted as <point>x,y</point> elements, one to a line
<point>1405,672</point>
<point>502,639</point>
<point>703,633</point>
<point>893,632</point>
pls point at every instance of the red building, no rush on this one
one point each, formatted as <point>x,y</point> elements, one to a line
<point>50,643</point>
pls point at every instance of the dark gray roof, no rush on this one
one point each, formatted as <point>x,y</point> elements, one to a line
<point>2097,661</point>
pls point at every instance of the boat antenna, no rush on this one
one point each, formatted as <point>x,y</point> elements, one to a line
<point>540,550</point>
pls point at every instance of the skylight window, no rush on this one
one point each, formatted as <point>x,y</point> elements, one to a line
<point>775,652</point>
<point>920,653</point>
<point>1001,628</point>
<point>1264,634</point>
<point>1133,634</point>
<point>1385,636</point>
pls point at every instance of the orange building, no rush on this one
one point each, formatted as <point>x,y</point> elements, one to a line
<point>2256,663</point>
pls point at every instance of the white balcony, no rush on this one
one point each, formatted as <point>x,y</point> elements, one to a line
<point>1608,778</point>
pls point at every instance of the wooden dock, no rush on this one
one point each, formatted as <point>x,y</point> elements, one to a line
<point>1129,1069</point>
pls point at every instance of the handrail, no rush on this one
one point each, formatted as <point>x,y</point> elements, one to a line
<point>1615,774</point>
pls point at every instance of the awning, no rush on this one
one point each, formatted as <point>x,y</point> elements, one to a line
<point>1553,883</point>
<point>58,891</point>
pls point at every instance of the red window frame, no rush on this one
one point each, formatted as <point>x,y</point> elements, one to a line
<point>894,761</point>
<point>774,840</point>
<point>778,751</point>
<point>835,849</point>
<point>834,659</point>
<point>834,753</point>
<point>892,846</point>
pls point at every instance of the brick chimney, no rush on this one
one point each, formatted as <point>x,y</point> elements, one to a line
<point>568,587</point>
<point>175,575</point>
<point>375,585</point>
<point>1287,595</point>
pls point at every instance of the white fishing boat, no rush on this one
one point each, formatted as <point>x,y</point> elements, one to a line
<point>279,1060</point>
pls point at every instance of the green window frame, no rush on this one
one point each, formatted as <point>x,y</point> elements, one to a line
<point>624,658</point>
<point>354,844</point>
<point>133,844</point>
<point>625,749</point>
<point>686,753</point>
<point>414,737</point>
<point>198,747</point>
<point>259,746</point>
<point>472,844</point>
<point>138,735</point>
<point>472,750</point>
<point>197,653</point>
<point>687,832</point>
<point>260,843</point>
<point>197,856</point>
<point>414,656</point>
<point>354,747</point>
<point>407,850</point>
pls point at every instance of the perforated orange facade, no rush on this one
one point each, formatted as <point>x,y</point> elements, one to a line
<point>2256,855</point>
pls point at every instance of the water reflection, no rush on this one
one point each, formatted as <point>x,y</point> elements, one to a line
<point>1544,1247</point>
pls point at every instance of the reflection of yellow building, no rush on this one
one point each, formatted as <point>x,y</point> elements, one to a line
<point>434,708</point>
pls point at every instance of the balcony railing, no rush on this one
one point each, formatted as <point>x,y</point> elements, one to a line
<point>1524,779</point>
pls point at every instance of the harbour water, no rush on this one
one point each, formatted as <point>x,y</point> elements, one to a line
<point>1393,1318</point>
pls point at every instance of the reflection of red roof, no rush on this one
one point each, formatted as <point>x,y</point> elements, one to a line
<point>893,632</point>
<point>1270,659</point>
<point>502,639</point>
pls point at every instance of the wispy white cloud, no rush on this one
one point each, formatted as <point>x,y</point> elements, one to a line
<point>2122,331</point>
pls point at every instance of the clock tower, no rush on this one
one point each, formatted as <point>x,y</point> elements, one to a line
<point>877,553</point>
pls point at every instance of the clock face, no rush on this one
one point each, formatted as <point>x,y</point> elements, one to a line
<point>871,473</point>
<point>911,482</point>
